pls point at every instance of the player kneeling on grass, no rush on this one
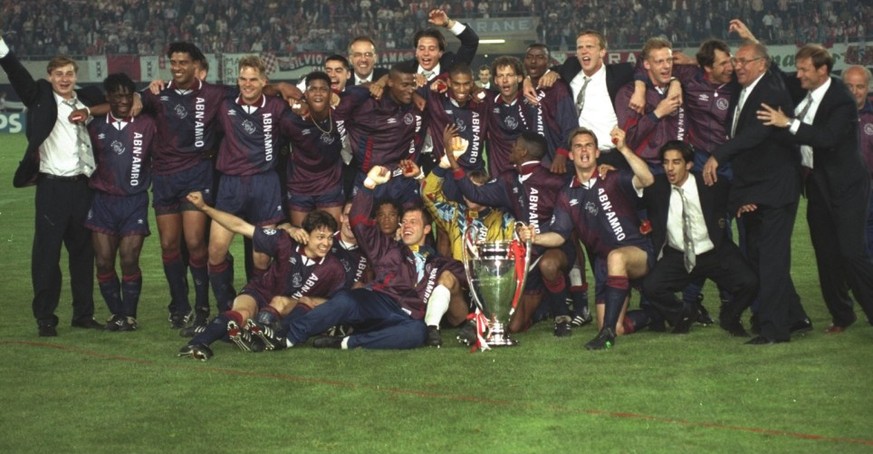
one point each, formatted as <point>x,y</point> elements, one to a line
<point>412,284</point>
<point>118,216</point>
<point>301,270</point>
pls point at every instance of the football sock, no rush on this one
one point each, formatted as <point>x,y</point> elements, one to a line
<point>437,305</point>
<point>131,287</point>
<point>174,270</point>
<point>221,278</point>
<point>111,291</point>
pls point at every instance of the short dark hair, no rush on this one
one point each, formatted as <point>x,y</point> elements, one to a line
<point>317,75</point>
<point>425,216</point>
<point>683,148</point>
<point>317,219</point>
<point>535,144</point>
<point>405,67</point>
<point>485,68</point>
<point>430,33</point>
<point>379,203</point>
<point>461,68</point>
<point>706,53</point>
<point>113,83</point>
<point>506,60</point>
<point>580,131</point>
<point>818,54</point>
<point>341,59</point>
<point>542,46</point>
<point>186,48</point>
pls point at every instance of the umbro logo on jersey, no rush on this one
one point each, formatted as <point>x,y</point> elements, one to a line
<point>574,202</point>
<point>165,98</point>
<point>392,121</point>
<point>703,97</point>
<point>101,136</point>
<point>231,113</point>
<point>307,132</point>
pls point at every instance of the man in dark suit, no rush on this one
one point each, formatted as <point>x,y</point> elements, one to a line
<point>765,192</point>
<point>59,161</point>
<point>430,46</point>
<point>687,215</point>
<point>363,55</point>
<point>594,87</point>
<point>837,186</point>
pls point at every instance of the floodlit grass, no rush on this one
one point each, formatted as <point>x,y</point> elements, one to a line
<point>89,391</point>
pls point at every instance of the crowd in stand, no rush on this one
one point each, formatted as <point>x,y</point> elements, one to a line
<point>79,27</point>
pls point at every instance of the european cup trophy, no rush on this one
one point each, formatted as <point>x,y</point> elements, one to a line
<point>496,271</point>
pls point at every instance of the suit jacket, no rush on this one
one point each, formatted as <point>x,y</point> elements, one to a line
<point>833,136</point>
<point>469,45</point>
<point>766,166</point>
<point>713,203</point>
<point>617,75</point>
<point>42,111</point>
<point>377,74</point>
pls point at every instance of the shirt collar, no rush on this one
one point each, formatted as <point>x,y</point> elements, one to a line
<point>195,86</point>
<point>819,92</point>
<point>306,260</point>
<point>261,103</point>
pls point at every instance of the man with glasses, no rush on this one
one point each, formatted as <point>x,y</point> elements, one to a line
<point>765,191</point>
<point>362,54</point>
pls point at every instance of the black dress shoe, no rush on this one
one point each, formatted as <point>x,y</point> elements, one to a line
<point>801,327</point>
<point>735,328</point>
<point>764,340</point>
<point>47,331</point>
<point>88,323</point>
<point>690,314</point>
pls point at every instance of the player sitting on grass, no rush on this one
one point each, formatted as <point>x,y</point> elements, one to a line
<point>301,269</point>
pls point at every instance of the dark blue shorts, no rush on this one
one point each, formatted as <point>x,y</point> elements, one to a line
<point>405,191</point>
<point>534,283</point>
<point>601,273</point>
<point>307,203</point>
<point>260,298</point>
<point>119,215</point>
<point>255,198</point>
<point>170,190</point>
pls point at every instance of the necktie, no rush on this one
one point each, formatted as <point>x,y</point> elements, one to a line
<point>85,155</point>
<point>419,266</point>
<point>690,257</point>
<point>739,108</point>
<point>427,74</point>
<point>808,101</point>
<point>580,98</point>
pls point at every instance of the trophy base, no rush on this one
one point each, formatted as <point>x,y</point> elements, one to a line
<point>501,341</point>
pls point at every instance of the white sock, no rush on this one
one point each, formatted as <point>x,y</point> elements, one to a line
<point>345,343</point>
<point>437,305</point>
<point>575,276</point>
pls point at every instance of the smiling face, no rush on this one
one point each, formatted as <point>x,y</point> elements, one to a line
<point>251,84</point>
<point>346,226</point>
<point>461,84</point>
<point>183,69</point>
<point>590,53</point>
<point>338,74</point>
<point>363,56</point>
<point>320,242</point>
<point>412,228</point>
<point>810,77</point>
<point>63,80</point>
<point>120,102</point>
<point>748,65</point>
<point>721,70</point>
<point>428,52</point>
<point>675,167</point>
<point>484,76</point>
<point>401,86</point>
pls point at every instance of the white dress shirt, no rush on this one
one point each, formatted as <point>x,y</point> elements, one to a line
<point>699,232</point>
<point>598,113</point>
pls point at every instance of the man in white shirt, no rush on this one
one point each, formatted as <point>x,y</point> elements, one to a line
<point>59,160</point>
